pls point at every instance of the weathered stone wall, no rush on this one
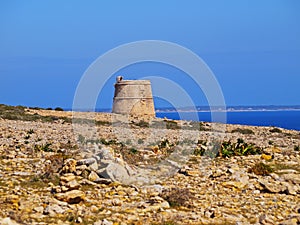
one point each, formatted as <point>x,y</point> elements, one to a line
<point>133,97</point>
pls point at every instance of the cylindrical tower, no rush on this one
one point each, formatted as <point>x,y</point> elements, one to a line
<point>133,97</point>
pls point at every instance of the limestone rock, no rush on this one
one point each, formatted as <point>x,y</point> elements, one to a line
<point>53,209</point>
<point>86,162</point>
<point>93,176</point>
<point>233,184</point>
<point>71,197</point>
<point>272,187</point>
<point>292,177</point>
<point>72,185</point>
<point>67,177</point>
<point>8,221</point>
<point>103,222</point>
<point>116,172</point>
<point>293,221</point>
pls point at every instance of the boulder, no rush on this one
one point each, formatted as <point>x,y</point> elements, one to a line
<point>116,172</point>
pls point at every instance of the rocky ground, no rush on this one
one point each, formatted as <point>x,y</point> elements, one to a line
<point>136,171</point>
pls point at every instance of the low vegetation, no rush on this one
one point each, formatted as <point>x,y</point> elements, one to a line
<point>243,131</point>
<point>44,147</point>
<point>177,197</point>
<point>275,130</point>
<point>261,169</point>
<point>227,149</point>
<point>19,113</point>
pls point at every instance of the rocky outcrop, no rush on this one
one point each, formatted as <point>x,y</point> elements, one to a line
<point>50,176</point>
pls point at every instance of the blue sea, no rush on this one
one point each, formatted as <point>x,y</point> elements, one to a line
<point>289,119</point>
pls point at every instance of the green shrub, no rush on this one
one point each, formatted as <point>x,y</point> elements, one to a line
<point>227,149</point>
<point>133,150</point>
<point>44,147</point>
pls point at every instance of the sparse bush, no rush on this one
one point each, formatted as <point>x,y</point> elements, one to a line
<point>275,130</point>
<point>19,113</point>
<point>58,109</point>
<point>297,148</point>
<point>27,137</point>
<point>177,197</point>
<point>133,150</point>
<point>261,169</point>
<point>171,124</point>
<point>110,142</point>
<point>227,149</point>
<point>243,131</point>
<point>102,123</point>
<point>44,147</point>
<point>199,151</point>
<point>31,131</point>
<point>164,143</point>
<point>201,147</point>
<point>140,141</point>
<point>142,123</point>
<point>81,138</point>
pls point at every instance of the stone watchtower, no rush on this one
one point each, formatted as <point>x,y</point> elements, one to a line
<point>133,97</point>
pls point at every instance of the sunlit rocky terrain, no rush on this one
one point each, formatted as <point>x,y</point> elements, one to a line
<point>102,169</point>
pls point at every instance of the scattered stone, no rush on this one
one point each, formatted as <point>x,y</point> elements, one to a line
<point>291,177</point>
<point>72,185</point>
<point>67,177</point>
<point>8,221</point>
<point>266,157</point>
<point>233,184</point>
<point>293,221</point>
<point>103,222</point>
<point>53,210</point>
<point>39,184</point>
<point>93,176</point>
<point>273,187</point>
<point>86,162</point>
<point>71,197</point>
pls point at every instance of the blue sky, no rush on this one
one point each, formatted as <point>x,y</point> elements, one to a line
<point>253,47</point>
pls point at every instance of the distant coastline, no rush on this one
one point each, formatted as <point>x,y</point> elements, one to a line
<point>230,109</point>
